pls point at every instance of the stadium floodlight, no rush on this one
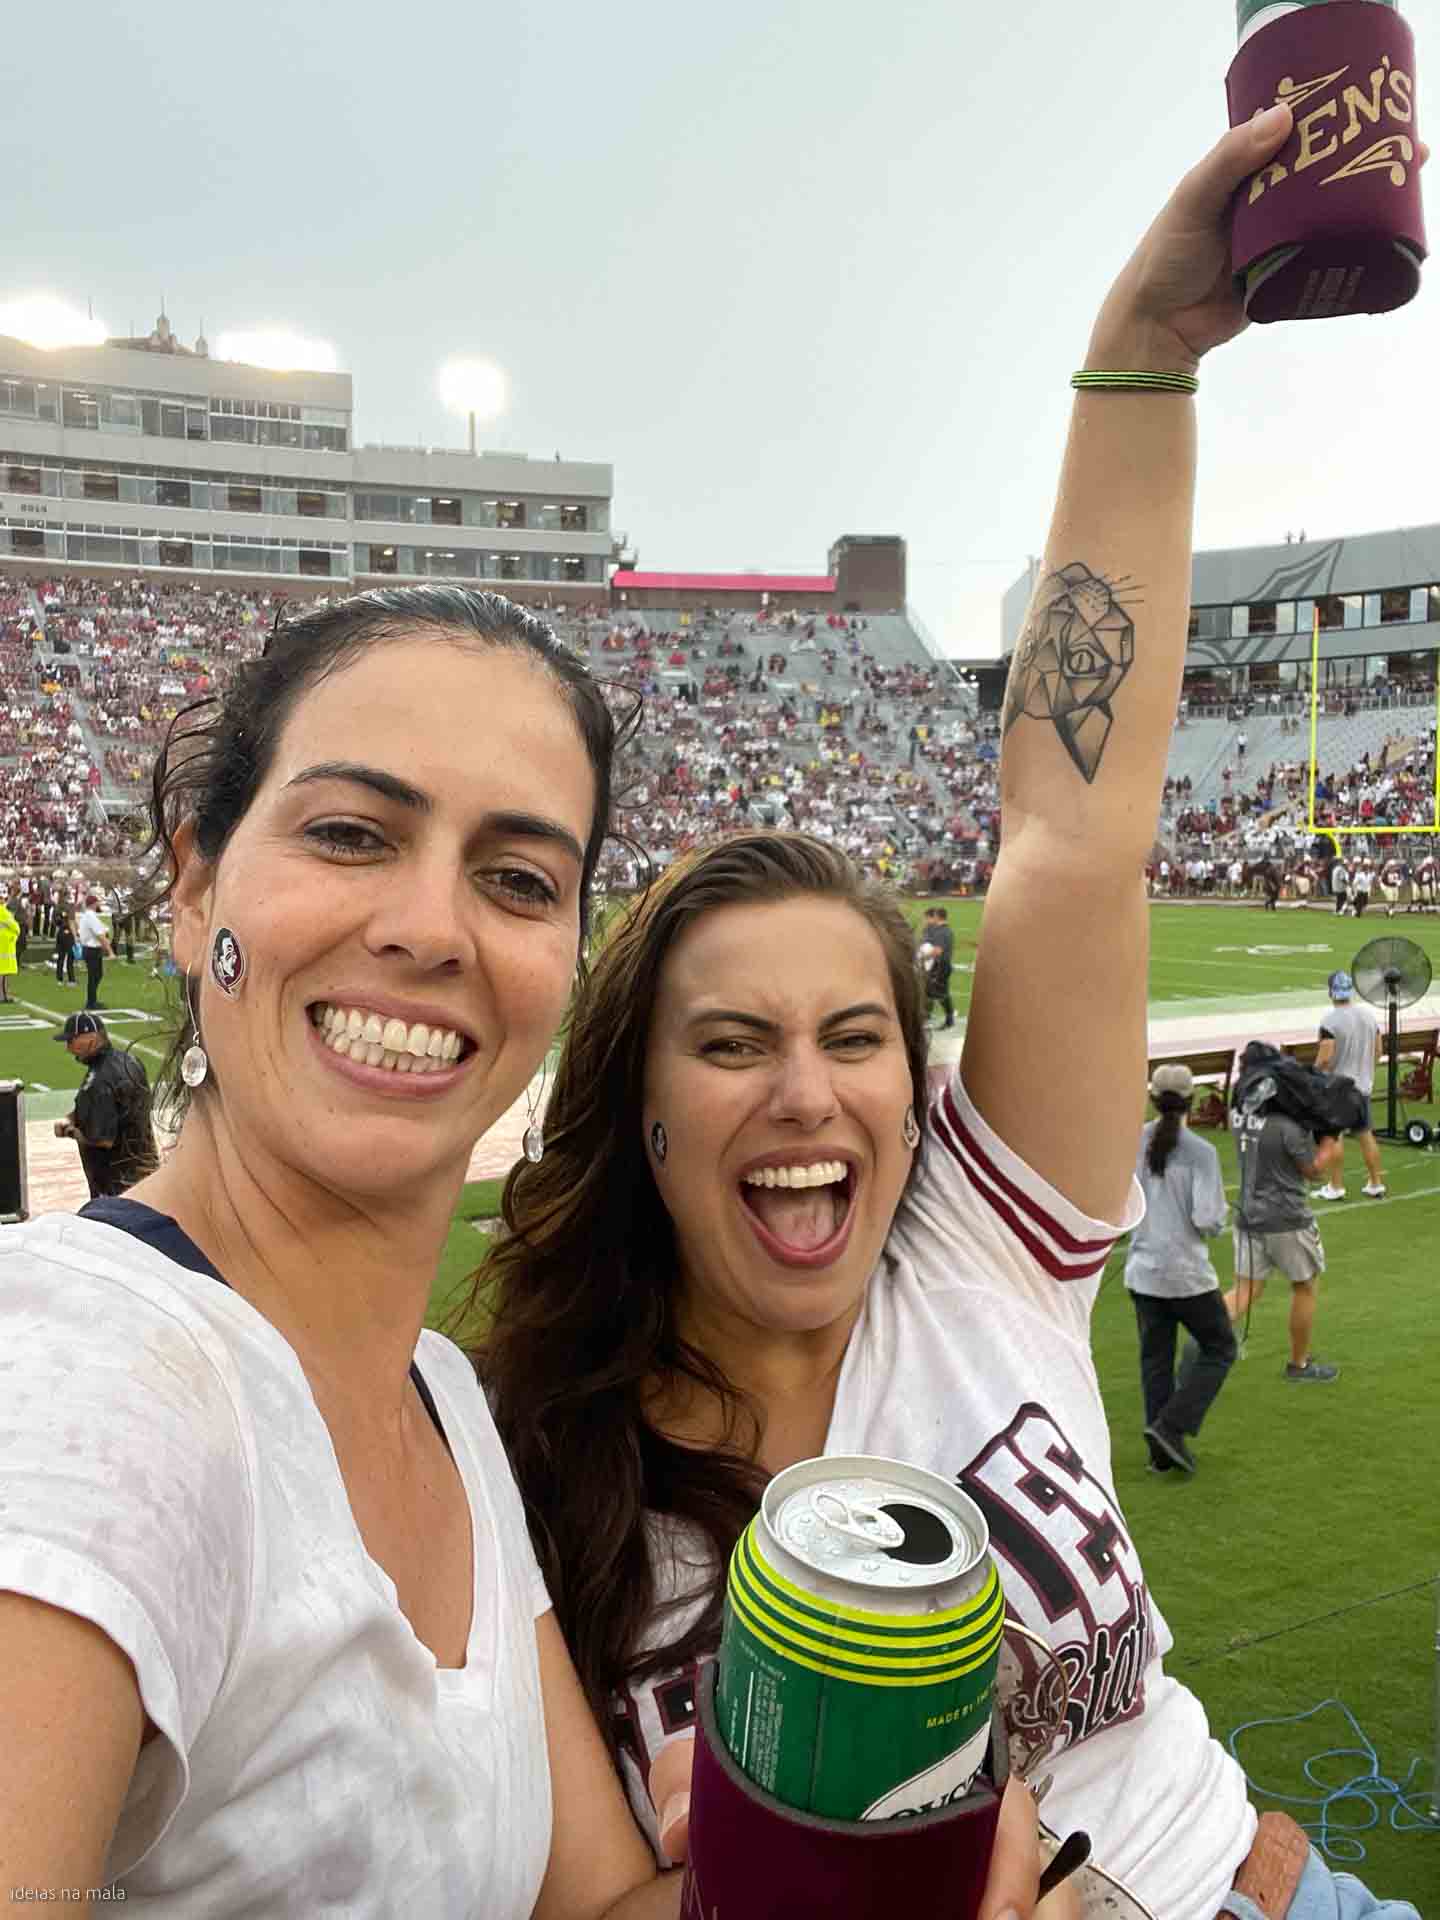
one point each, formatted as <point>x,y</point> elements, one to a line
<point>278,351</point>
<point>476,388</point>
<point>45,321</point>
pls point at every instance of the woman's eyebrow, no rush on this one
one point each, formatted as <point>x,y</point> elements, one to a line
<point>861,1010</point>
<point>389,785</point>
<point>505,820</point>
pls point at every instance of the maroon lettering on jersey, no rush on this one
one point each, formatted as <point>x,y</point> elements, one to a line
<point>1069,1567</point>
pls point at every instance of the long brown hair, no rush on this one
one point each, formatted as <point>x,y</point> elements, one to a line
<point>581,1290</point>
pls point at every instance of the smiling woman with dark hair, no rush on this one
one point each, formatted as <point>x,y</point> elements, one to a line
<point>275,1640</point>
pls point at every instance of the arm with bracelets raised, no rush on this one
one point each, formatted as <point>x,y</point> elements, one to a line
<point>1056,1042</point>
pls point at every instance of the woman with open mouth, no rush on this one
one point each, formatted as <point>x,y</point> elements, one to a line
<point>274,1637</point>
<point>758,1237</point>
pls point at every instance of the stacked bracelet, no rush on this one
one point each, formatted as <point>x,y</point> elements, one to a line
<point>1136,381</point>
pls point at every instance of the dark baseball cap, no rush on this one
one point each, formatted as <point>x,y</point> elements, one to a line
<point>79,1024</point>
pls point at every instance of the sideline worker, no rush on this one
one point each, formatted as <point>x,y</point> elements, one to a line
<point>111,1119</point>
<point>1169,1274</point>
<point>1350,1044</point>
<point>94,948</point>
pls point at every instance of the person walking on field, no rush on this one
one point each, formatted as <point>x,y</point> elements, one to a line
<point>64,925</point>
<point>95,948</point>
<point>1274,1227</point>
<point>937,952</point>
<point>1171,1280</point>
<point>1350,1044</point>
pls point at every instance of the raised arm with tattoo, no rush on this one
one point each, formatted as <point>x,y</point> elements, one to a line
<point>1055,1047</point>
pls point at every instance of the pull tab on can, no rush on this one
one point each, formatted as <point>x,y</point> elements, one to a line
<point>869,1529</point>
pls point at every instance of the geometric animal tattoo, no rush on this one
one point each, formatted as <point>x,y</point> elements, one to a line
<point>1077,646</point>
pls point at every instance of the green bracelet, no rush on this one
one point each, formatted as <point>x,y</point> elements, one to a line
<point>1134,381</point>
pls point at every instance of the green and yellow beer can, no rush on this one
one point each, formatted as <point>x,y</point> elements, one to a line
<point>863,1619</point>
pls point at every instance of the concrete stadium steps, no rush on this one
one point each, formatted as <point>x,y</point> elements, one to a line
<point>1204,748</point>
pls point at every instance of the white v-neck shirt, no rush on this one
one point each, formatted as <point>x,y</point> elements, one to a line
<point>165,1473</point>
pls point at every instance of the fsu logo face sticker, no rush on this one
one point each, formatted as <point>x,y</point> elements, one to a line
<point>227,962</point>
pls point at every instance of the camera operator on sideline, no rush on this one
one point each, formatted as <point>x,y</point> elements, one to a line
<point>1274,1226</point>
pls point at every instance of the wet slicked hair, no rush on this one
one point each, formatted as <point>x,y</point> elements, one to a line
<point>218,750</point>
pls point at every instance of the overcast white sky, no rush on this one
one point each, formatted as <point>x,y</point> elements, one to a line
<point>798,269</point>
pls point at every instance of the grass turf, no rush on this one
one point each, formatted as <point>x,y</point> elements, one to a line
<point>1299,1563</point>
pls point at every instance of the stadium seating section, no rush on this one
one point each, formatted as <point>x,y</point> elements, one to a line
<point>847,727</point>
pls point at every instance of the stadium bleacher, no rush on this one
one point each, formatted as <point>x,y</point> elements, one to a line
<point>844,725</point>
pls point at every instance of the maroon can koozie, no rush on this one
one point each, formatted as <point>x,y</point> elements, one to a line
<point>1334,223</point>
<point>751,1858</point>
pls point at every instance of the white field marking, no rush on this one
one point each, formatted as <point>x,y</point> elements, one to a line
<point>1179,964</point>
<point>1327,1208</point>
<point>1266,953</point>
<point>124,1016</point>
<point>55,1019</point>
<point>39,1086</point>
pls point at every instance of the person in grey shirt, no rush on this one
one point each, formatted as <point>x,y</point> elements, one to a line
<point>1171,1280</point>
<point>1274,1227</point>
<point>1350,1042</point>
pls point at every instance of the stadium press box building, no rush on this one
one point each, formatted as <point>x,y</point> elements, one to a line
<point>1253,610</point>
<point>146,453</point>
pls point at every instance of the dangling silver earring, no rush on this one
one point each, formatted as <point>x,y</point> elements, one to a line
<point>196,1062</point>
<point>659,1144</point>
<point>910,1129</point>
<point>533,1143</point>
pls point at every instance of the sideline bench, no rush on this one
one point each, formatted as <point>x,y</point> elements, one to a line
<point>1215,1068</point>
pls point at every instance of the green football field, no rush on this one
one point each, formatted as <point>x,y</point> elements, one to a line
<point>1299,1565</point>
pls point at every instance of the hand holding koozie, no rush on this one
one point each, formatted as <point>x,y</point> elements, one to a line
<point>841,1754</point>
<point>1332,224</point>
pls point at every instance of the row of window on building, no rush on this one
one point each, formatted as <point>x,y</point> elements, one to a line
<point>237,553</point>
<point>256,423</point>
<point>476,510</point>
<point>1260,679</point>
<point>143,487</point>
<point>478,563</point>
<point>1390,606</point>
<point>249,493</point>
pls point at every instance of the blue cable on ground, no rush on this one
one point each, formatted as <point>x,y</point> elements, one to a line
<point>1337,1838</point>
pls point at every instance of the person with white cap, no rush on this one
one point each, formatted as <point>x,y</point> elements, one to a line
<point>1170,1276</point>
<point>1350,1044</point>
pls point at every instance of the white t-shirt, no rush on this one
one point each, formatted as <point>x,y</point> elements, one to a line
<point>90,928</point>
<point>972,1357</point>
<point>166,1473</point>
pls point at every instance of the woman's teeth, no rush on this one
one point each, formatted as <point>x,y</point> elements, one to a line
<point>375,1042</point>
<point>823,1173</point>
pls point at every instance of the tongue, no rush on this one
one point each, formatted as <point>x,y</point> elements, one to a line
<point>803,1220</point>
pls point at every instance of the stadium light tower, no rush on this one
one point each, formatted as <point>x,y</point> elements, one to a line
<point>44,321</point>
<point>476,388</point>
<point>278,350</point>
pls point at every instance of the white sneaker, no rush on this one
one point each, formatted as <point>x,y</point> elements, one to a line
<point>1328,1193</point>
<point>1375,1193</point>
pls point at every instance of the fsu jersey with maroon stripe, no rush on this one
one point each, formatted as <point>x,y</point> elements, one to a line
<point>972,1358</point>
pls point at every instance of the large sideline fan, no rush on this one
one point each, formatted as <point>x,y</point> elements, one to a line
<point>1393,973</point>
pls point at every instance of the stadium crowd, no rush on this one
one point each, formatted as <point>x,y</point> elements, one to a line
<point>762,718</point>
